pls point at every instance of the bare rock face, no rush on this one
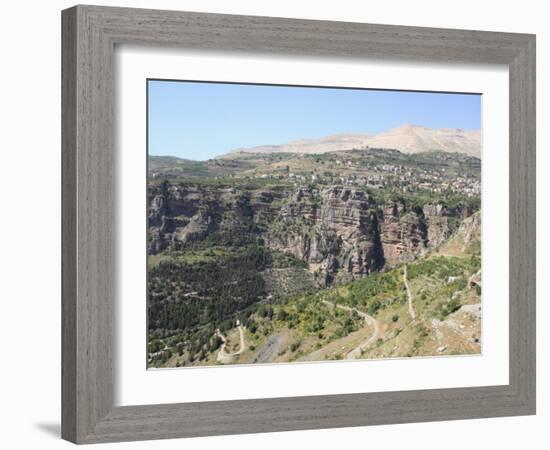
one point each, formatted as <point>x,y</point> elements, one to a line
<point>437,222</point>
<point>325,242</point>
<point>470,229</point>
<point>339,232</point>
<point>437,210</point>
<point>403,234</point>
<point>336,231</point>
<point>363,258</point>
<point>198,227</point>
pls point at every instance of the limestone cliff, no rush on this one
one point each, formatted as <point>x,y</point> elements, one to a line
<point>339,232</point>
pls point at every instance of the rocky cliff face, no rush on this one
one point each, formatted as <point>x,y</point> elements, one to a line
<point>469,231</point>
<point>336,231</point>
<point>403,234</point>
<point>437,223</point>
<point>339,232</point>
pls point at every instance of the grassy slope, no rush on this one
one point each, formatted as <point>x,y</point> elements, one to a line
<point>306,328</point>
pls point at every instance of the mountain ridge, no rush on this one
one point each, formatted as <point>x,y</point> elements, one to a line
<point>406,138</point>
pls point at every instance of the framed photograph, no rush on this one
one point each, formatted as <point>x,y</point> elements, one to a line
<point>278,224</point>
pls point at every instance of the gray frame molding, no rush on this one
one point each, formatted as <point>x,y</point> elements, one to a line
<point>89,36</point>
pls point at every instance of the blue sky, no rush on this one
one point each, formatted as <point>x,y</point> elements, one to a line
<point>201,120</point>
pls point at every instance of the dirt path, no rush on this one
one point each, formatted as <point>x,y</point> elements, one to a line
<point>225,357</point>
<point>357,351</point>
<point>409,294</point>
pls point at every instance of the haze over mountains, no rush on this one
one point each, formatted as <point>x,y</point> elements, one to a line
<point>406,138</point>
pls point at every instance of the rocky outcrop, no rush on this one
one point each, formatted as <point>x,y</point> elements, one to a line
<point>437,224</point>
<point>198,227</point>
<point>403,234</point>
<point>470,228</point>
<point>339,232</point>
<point>336,231</point>
<point>469,233</point>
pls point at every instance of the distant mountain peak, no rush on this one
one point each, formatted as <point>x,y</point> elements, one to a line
<point>410,127</point>
<point>407,138</point>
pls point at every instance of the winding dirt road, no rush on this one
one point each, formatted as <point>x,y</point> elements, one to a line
<point>368,319</point>
<point>223,356</point>
<point>409,294</point>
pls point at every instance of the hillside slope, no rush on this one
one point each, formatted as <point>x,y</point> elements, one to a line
<point>277,257</point>
<point>430,306</point>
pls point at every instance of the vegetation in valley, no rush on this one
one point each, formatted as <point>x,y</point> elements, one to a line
<point>285,257</point>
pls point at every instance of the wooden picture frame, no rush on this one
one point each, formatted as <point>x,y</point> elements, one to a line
<point>90,34</point>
